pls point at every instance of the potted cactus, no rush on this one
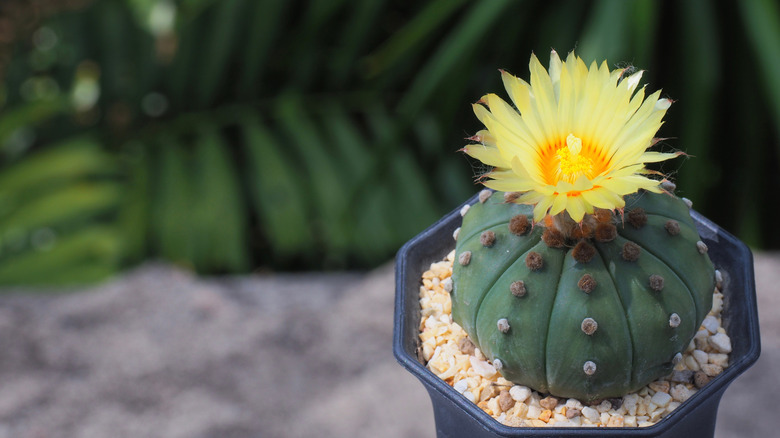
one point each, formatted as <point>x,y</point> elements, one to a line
<point>578,273</point>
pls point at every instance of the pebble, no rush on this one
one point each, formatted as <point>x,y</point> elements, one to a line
<point>520,393</point>
<point>573,412</point>
<point>514,422</point>
<point>691,363</point>
<point>701,357</point>
<point>466,346</point>
<point>492,404</point>
<point>700,339</point>
<point>487,393</point>
<point>482,368</point>
<point>711,370</point>
<point>659,386</point>
<point>700,379</point>
<point>711,324</point>
<point>505,401</point>
<point>604,406</point>
<point>461,385</point>
<point>630,402</point>
<point>719,359</point>
<point>680,392</point>
<point>446,284</point>
<point>549,402</point>
<point>721,342</point>
<point>661,399</point>
<point>591,414</point>
<point>681,376</point>
<point>717,303</point>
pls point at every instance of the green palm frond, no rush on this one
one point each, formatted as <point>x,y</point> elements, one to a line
<point>236,135</point>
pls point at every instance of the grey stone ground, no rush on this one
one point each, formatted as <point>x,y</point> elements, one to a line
<point>161,353</point>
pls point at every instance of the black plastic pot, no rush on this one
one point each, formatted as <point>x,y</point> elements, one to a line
<point>458,417</point>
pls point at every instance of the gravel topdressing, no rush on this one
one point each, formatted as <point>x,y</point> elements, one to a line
<point>450,355</point>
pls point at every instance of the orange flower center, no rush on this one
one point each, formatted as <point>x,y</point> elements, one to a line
<point>567,162</point>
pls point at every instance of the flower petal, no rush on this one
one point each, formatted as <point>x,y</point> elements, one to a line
<point>654,157</point>
<point>611,118</point>
<point>540,209</point>
<point>486,154</point>
<point>576,208</point>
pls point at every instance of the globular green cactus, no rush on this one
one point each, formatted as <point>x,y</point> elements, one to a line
<point>588,310</point>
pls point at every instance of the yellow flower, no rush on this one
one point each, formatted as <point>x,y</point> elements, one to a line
<point>576,141</point>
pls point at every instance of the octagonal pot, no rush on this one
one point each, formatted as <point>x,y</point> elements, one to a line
<point>455,416</point>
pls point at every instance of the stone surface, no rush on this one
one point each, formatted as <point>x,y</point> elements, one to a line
<point>161,353</point>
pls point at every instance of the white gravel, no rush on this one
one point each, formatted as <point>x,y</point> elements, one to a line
<point>479,380</point>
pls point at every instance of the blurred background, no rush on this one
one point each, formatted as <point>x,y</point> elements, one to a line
<point>239,136</point>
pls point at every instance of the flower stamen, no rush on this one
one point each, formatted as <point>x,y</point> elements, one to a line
<point>571,164</point>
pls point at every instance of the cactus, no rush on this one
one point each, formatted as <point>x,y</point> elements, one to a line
<point>591,309</point>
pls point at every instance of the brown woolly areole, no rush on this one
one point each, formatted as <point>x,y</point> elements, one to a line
<point>464,258</point>
<point>582,231</point>
<point>518,288</point>
<point>602,215</point>
<point>656,282</point>
<point>605,232</point>
<point>534,261</point>
<point>583,252</point>
<point>672,227</point>
<point>519,224</point>
<point>631,252</point>
<point>637,217</point>
<point>553,238</point>
<point>487,239</point>
<point>587,283</point>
